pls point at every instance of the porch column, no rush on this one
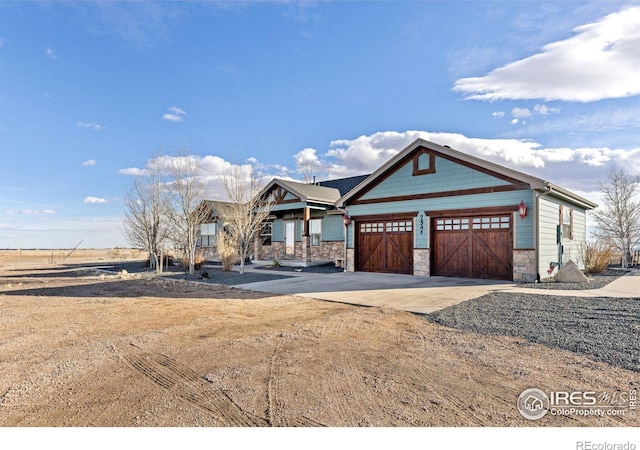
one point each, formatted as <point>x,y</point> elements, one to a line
<point>306,242</point>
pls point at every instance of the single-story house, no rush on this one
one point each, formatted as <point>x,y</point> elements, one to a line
<point>210,229</point>
<point>432,210</point>
<point>304,227</point>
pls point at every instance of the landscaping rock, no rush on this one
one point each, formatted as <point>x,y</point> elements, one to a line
<point>569,273</point>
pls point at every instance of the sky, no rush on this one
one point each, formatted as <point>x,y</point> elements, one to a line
<point>91,91</point>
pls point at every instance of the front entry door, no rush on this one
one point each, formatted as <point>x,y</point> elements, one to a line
<point>289,238</point>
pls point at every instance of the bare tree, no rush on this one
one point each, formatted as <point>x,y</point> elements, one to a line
<point>147,205</point>
<point>187,187</point>
<point>307,173</point>
<point>246,212</point>
<point>619,218</point>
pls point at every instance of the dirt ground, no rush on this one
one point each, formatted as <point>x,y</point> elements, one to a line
<point>84,348</point>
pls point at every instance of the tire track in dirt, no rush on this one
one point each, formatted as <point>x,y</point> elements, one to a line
<point>271,382</point>
<point>276,408</point>
<point>352,391</point>
<point>424,376</point>
<point>352,400</point>
<point>186,385</point>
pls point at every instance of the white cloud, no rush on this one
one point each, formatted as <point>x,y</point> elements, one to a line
<point>132,171</point>
<point>50,53</point>
<point>90,126</point>
<point>172,118</point>
<point>175,114</point>
<point>89,162</point>
<point>499,114</point>
<point>520,113</point>
<point>27,211</point>
<point>94,200</point>
<point>177,111</point>
<point>365,153</point>
<point>600,61</point>
<point>307,157</point>
<point>544,110</point>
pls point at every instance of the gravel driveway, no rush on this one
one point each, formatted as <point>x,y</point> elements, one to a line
<point>604,328</point>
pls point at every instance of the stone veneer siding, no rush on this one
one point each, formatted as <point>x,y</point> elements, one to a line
<point>327,251</point>
<point>351,267</point>
<point>524,266</point>
<point>269,252</point>
<point>421,262</point>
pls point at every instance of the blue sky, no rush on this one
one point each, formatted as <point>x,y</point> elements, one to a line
<point>90,91</point>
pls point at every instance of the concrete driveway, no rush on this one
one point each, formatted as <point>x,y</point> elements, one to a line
<point>417,294</point>
<point>404,292</point>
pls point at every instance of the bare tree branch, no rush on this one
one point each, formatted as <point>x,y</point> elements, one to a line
<point>147,209</point>
<point>619,218</point>
<point>187,188</point>
<point>246,213</point>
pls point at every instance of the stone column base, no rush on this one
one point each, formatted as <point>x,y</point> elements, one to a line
<point>524,266</point>
<point>421,262</point>
<point>351,262</point>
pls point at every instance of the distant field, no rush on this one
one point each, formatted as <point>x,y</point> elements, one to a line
<point>67,256</point>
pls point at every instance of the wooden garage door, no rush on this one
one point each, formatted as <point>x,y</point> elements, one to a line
<point>472,247</point>
<point>385,246</point>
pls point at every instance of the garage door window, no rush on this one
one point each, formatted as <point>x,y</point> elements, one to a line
<point>399,226</point>
<point>372,227</point>
<point>487,223</point>
<point>452,224</point>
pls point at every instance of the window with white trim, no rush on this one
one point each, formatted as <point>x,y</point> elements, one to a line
<point>315,231</point>
<point>566,220</point>
<point>207,234</point>
<point>266,233</point>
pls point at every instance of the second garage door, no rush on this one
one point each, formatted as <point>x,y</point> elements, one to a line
<point>385,246</point>
<point>472,247</point>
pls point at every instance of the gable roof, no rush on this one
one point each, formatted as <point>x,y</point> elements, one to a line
<point>214,207</point>
<point>447,152</point>
<point>306,192</point>
<point>344,185</point>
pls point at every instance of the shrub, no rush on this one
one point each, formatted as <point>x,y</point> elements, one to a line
<point>199,260</point>
<point>597,255</point>
<point>228,251</point>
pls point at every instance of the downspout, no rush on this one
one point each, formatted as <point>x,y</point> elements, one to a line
<point>346,230</point>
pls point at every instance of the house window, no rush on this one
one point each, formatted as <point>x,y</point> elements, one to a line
<point>207,234</point>
<point>266,233</point>
<point>424,163</point>
<point>315,231</point>
<point>566,220</point>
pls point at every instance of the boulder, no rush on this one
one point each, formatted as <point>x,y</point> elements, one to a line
<point>569,273</point>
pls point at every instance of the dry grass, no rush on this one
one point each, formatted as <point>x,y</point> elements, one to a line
<point>597,255</point>
<point>30,258</point>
